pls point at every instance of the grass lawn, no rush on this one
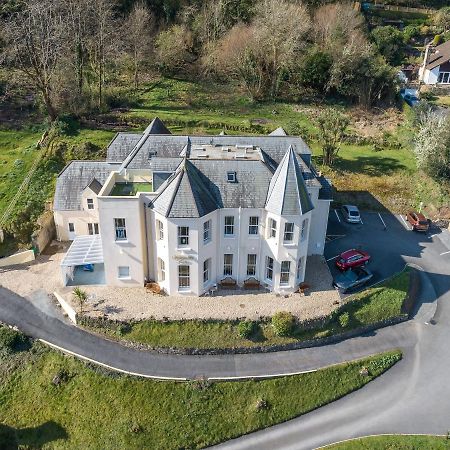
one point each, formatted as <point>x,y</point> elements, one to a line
<point>370,306</point>
<point>94,409</point>
<point>18,151</point>
<point>394,442</point>
<point>130,188</point>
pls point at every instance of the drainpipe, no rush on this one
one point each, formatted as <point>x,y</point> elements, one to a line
<point>147,253</point>
<point>239,247</point>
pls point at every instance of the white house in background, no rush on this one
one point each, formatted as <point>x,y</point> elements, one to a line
<point>190,211</point>
<point>435,69</point>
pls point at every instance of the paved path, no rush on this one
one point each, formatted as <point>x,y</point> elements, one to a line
<point>412,397</point>
<point>55,330</point>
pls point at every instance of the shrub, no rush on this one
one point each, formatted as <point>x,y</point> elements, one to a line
<point>344,320</point>
<point>12,341</point>
<point>283,323</point>
<point>246,328</point>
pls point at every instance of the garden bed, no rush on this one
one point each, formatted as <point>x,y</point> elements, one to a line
<point>382,305</point>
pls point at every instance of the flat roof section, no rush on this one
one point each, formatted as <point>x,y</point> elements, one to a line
<point>84,250</point>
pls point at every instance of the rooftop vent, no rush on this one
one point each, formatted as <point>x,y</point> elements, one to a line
<point>231,177</point>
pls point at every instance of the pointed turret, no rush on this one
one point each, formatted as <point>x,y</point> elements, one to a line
<point>186,194</point>
<point>287,193</point>
<point>278,132</point>
<point>157,127</point>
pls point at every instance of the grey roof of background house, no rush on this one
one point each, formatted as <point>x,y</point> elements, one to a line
<point>439,55</point>
<point>287,191</point>
<point>157,127</point>
<point>74,178</point>
<point>278,132</point>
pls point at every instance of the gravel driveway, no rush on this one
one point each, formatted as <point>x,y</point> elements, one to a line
<point>138,303</point>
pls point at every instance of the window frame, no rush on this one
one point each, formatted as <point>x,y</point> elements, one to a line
<point>123,277</point>
<point>289,232</point>
<point>159,230</point>
<point>285,271</point>
<point>181,285</point>
<point>181,236</point>
<point>71,227</point>
<point>251,266</point>
<point>228,226</point>
<point>206,270</point>
<point>252,226</point>
<point>269,268</point>
<point>272,228</point>
<point>304,230</point>
<point>120,229</point>
<point>299,267</point>
<point>207,231</point>
<point>90,203</point>
<point>228,266</point>
<point>161,270</point>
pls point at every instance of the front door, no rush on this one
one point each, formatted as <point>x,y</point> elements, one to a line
<point>71,231</point>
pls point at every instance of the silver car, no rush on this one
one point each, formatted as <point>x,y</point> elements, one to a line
<point>351,214</point>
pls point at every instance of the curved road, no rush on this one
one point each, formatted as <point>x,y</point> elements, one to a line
<point>412,397</point>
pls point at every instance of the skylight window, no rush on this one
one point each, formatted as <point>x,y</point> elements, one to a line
<point>231,177</point>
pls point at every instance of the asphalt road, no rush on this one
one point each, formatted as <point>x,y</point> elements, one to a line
<point>388,246</point>
<point>412,397</point>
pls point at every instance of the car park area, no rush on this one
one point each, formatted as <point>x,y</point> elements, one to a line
<point>386,237</point>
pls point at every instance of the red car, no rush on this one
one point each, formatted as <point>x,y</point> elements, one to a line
<point>352,258</point>
<point>418,221</point>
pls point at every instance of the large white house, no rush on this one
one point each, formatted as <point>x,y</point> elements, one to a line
<point>189,211</point>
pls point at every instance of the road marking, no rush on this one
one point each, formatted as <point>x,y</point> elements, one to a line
<point>445,253</point>
<point>334,257</point>
<point>337,215</point>
<point>69,352</point>
<point>404,221</point>
<point>382,221</point>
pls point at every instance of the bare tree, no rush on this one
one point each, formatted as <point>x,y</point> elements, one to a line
<point>101,42</point>
<point>137,33</point>
<point>332,125</point>
<point>34,42</point>
<point>335,23</point>
<point>77,12</point>
<point>280,30</point>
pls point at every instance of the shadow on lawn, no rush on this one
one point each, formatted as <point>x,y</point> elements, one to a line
<point>32,437</point>
<point>369,165</point>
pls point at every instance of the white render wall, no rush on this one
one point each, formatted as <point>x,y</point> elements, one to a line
<point>431,76</point>
<point>239,245</point>
<point>129,253</point>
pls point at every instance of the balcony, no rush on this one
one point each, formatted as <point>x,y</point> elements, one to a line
<point>130,188</point>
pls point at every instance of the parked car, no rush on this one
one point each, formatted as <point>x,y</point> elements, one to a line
<point>351,214</point>
<point>352,258</point>
<point>410,96</point>
<point>418,221</point>
<point>352,279</point>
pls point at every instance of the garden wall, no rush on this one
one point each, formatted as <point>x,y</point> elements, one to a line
<point>17,258</point>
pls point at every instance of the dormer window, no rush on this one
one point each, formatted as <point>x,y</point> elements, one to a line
<point>231,177</point>
<point>90,203</point>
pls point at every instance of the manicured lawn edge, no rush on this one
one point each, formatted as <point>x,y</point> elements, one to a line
<point>309,331</point>
<point>93,407</point>
<point>393,441</point>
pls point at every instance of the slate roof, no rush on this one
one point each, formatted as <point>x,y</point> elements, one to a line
<point>74,178</point>
<point>95,185</point>
<point>278,132</point>
<point>121,146</point>
<point>171,146</point>
<point>288,194</point>
<point>439,55</point>
<point>185,195</point>
<point>157,127</point>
